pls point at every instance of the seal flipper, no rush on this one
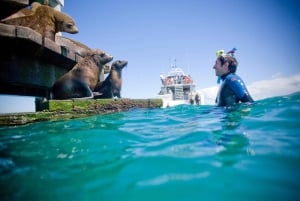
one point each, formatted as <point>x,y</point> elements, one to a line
<point>81,90</point>
<point>97,95</point>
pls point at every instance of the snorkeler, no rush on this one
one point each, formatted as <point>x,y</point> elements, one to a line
<point>233,90</point>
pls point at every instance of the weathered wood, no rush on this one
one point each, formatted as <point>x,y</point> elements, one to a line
<point>29,63</point>
<point>70,109</point>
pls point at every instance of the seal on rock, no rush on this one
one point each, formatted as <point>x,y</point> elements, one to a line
<point>81,80</point>
<point>112,84</point>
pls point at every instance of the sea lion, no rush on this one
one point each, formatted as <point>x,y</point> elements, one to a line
<point>78,48</point>
<point>81,80</point>
<point>45,20</point>
<point>111,86</point>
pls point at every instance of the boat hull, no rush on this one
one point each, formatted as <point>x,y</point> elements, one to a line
<point>168,101</point>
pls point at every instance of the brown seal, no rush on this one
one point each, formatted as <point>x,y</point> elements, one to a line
<point>45,20</point>
<point>81,80</point>
<point>111,86</point>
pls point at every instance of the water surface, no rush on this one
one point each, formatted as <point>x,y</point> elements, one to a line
<point>181,153</point>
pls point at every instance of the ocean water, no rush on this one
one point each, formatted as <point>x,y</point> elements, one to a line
<point>176,154</point>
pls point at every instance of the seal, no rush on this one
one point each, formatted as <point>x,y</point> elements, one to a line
<point>112,84</point>
<point>81,80</point>
<point>45,20</point>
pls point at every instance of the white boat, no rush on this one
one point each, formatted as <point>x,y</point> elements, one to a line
<point>178,88</point>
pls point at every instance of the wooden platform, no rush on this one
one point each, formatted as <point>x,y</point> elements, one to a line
<point>29,63</point>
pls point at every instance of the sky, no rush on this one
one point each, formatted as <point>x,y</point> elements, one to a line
<point>152,35</point>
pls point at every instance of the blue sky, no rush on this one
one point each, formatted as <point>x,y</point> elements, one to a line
<point>151,34</point>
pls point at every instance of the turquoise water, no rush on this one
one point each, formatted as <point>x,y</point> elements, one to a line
<point>181,153</point>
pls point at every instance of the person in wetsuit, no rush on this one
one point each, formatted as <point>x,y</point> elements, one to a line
<point>233,90</point>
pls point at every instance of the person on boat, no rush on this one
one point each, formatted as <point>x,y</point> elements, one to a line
<point>191,99</point>
<point>162,78</point>
<point>233,90</point>
<point>197,99</point>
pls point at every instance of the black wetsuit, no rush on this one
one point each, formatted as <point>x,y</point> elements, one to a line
<point>233,90</point>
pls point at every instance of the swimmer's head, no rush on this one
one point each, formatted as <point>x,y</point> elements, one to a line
<point>223,58</point>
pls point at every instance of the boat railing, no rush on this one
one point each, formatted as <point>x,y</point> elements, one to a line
<point>178,80</point>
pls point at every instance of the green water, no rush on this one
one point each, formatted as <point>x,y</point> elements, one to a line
<point>177,154</point>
